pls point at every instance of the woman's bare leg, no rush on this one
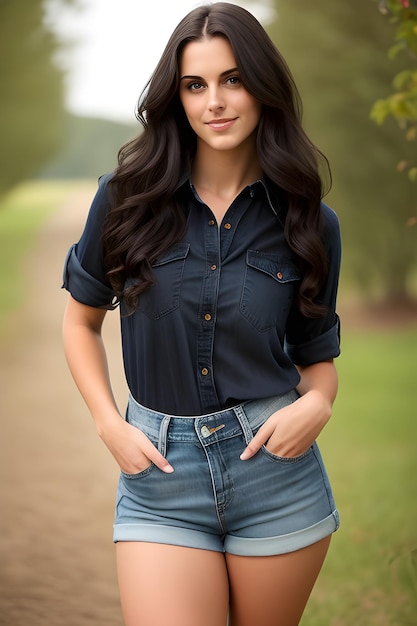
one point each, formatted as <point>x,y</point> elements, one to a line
<point>273,590</point>
<point>162,584</point>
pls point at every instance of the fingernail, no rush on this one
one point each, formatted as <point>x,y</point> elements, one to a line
<point>168,469</point>
<point>244,455</point>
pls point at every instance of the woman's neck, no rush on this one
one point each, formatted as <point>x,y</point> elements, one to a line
<point>224,173</point>
<point>219,176</point>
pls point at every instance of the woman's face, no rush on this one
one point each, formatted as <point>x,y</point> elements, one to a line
<point>219,109</point>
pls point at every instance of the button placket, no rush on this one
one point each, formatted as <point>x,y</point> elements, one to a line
<point>206,329</point>
<point>217,243</point>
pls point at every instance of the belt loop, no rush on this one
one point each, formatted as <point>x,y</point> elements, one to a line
<point>163,432</point>
<point>244,423</point>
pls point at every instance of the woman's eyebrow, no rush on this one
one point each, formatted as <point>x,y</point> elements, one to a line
<point>222,75</point>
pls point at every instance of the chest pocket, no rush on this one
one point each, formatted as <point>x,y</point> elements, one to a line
<point>164,296</point>
<point>268,288</point>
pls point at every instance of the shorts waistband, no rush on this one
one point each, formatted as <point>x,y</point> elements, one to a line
<point>225,423</point>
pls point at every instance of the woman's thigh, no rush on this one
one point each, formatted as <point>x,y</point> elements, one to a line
<point>164,584</point>
<point>273,590</point>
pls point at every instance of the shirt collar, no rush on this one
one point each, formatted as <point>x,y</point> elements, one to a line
<point>275,196</point>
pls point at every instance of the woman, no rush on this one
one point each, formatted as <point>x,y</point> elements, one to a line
<point>212,236</point>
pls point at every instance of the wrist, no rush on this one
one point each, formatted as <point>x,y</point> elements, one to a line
<point>105,422</point>
<point>322,405</point>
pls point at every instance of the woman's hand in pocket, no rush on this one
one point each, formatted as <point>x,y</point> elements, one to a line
<point>293,429</point>
<point>131,448</point>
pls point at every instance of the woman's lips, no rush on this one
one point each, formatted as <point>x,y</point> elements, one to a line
<point>219,125</point>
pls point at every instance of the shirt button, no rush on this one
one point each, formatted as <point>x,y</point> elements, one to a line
<point>213,267</point>
<point>228,226</point>
<point>204,371</point>
<point>211,222</point>
<point>207,317</point>
<point>279,275</point>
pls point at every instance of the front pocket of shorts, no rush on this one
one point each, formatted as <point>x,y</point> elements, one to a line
<point>147,470</point>
<point>268,289</point>
<point>141,474</point>
<point>163,297</point>
<point>286,459</point>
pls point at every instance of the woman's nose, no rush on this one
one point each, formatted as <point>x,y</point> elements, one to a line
<point>216,101</point>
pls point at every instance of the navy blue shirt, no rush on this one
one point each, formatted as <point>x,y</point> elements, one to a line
<point>220,325</point>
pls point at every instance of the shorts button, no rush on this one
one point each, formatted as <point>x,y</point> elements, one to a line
<point>204,371</point>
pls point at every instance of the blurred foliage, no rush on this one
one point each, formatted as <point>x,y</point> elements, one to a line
<point>402,103</point>
<point>337,53</point>
<point>90,147</point>
<point>32,85</point>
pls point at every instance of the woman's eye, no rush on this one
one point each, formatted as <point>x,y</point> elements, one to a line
<point>233,80</point>
<point>195,86</point>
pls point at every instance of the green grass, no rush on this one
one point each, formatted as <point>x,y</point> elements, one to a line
<point>370,449</point>
<point>22,213</point>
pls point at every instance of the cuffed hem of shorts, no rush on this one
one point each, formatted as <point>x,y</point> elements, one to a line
<point>240,546</point>
<point>282,544</point>
<point>171,535</point>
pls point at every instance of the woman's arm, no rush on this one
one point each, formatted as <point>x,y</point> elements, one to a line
<point>291,431</point>
<point>87,361</point>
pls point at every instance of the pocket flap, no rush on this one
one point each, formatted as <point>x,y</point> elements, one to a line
<point>281,268</point>
<point>175,253</point>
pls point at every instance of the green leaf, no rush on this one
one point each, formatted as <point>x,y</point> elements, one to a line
<point>402,106</point>
<point>395,49</point>
<point>380,111</point>
<point>402,80</point>
<point>412,174</point>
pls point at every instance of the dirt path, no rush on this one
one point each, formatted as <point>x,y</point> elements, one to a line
<point>57,479</point>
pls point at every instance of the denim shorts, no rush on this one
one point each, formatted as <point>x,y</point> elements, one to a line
<point>265,505</point>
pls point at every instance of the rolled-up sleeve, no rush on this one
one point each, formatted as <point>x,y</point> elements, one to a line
<point>84,273</point>
<point>311,340</point>
<point>84,287</point>
<point>322,348</point>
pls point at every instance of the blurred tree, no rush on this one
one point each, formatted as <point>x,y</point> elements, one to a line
<point>32,86</point>
<point>402,103</point>
<point>90,148</point>
<point>337,53</point>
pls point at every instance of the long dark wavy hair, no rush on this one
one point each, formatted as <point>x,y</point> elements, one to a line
<point>145,218</point>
